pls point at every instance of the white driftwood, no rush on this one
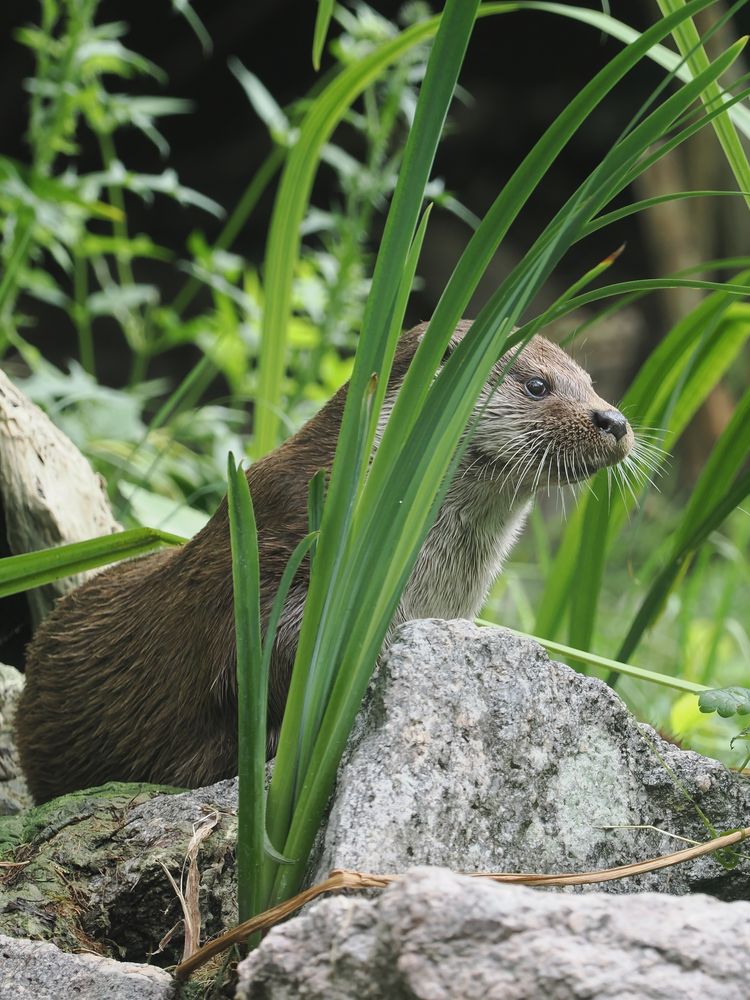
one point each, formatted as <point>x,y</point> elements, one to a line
<point>49,493</point>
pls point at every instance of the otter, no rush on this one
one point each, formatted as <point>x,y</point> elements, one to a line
<point>132,676</point>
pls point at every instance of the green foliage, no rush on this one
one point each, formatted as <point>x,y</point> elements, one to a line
<point>726,701</point>
<point>285,342</point>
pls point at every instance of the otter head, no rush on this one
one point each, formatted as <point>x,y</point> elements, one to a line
<point>544,424</point>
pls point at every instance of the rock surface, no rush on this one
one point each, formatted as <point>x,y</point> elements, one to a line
<point>439,936</point>
<point>14,795</point>
<point>35,970</point>
<point>91,870</point>
<point>477,753</point>
<point>474,752</point>
<point>49,494</point>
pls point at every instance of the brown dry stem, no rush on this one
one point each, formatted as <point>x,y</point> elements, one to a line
<point>341,879</point>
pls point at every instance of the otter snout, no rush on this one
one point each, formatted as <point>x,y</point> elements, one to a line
<point>611,422</point>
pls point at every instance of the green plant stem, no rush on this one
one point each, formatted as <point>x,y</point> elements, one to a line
<point>250,197</point>
<point>604,663</point>
<point>9,281</point>
<point>252,693</point>
<point>133,323</point>
<point>81,316</point>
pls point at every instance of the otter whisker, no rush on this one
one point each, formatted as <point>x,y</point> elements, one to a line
<point>622,475</point>
<point>540,468</point>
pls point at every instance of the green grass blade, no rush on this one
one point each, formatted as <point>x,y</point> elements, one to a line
<point>604,663</point>
<point>34,569</point>
<point>689,43</point>
<point>659,54</point>
<point>692,537</point>
<point>641,206</point>
<point>252,694</point>
<point>697,351</point>
<point>322,23</point>
<point>299,553</point>
<point>282,251</point>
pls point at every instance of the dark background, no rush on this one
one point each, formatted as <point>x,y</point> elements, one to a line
<point>521,68</point>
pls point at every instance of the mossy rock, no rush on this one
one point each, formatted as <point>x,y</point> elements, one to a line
<point>87,870</point>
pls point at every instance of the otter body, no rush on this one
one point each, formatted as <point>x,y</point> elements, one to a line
<point>132,676</point>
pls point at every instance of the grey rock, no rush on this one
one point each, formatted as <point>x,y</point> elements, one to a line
<point>49,494</point>
<point>440,936</point>
<point>477,753</point>
<point>92,868</point>
<point>36,970</point>
<point>14,795</point>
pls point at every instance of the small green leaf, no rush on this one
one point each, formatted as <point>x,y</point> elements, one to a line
<point>726,701</point>
<point>264,104</point>
<point>322,23</point>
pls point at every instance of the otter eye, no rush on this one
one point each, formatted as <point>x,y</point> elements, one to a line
<point>537,388</point>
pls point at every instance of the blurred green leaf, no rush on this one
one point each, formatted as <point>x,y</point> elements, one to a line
<point>322,23</point>
<point>726,702</point>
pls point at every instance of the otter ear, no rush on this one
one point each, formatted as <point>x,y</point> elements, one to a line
<point>456,337</point>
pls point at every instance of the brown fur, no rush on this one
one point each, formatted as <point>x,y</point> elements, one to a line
<point>132,676</point>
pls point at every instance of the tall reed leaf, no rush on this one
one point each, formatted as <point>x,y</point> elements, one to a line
<point>282,249</point>
<point>252,693</point>
<point>689,43</point>
<point>394,511</point>
<point>321,633</point>
<point>34,569</point>
<point>719,482</point>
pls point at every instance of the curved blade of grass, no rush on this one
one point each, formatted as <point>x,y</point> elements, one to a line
<point>641,206</point>
<point>692,538</point>
<point>282,249</point>
<point>33,569</point>
<point>299,553</point>
<point>603,662</point>
<point>252,692</point>
<point>659,54</point>
<point>689,43</point>
<point>675,400</point>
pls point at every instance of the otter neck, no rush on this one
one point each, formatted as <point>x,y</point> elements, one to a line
<point>475,529</point>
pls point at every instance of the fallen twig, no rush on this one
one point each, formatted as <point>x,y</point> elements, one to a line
<point>341,879</point>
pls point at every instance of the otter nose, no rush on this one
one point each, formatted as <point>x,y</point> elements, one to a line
<point>611,421</point>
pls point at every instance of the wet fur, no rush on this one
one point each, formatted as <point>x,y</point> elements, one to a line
<point>132,676</point>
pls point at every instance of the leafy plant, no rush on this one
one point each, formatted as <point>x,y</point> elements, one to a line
<point>367,533</point>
